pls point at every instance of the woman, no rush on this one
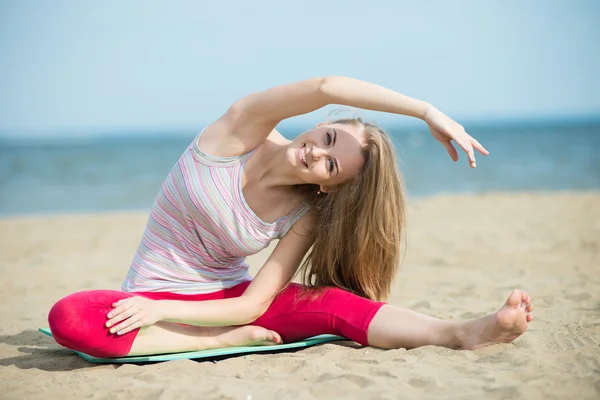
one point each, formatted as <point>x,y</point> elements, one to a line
<point>333,194</point>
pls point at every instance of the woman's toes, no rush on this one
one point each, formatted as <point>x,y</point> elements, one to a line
<point>270,336</point>
<point>529,317</point>
<point>529,308</point>
<point>514,299</point>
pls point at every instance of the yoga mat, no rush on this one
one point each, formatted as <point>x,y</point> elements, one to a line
<point>206,353</point>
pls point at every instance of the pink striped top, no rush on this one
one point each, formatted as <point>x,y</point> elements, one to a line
<point>201,229</point>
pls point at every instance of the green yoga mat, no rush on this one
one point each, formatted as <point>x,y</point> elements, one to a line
<point>229,351</point>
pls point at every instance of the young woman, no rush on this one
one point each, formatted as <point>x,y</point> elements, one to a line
<point>333,196</point>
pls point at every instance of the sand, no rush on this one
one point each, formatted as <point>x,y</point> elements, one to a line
<point>465,254</point>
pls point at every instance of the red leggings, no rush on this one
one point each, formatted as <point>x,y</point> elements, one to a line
<point>78,320</point>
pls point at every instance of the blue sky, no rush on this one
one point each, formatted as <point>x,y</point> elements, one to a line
<point>89,67</point>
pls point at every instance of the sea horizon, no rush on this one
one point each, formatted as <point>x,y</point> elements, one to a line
<point>58,135</point>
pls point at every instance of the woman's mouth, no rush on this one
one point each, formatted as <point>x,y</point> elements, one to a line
<point>302,155</point>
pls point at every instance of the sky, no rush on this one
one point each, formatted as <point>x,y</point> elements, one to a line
<point>82,68</point>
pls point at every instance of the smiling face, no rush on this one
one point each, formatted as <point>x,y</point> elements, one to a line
<point>329,154</point>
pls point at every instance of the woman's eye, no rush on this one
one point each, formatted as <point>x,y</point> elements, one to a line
<point>330,165</point>
<point>328,139</point>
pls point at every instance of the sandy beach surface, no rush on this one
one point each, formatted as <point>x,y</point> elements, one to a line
<point>465,254</point>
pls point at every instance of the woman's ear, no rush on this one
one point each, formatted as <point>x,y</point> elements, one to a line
<point>325,189</point>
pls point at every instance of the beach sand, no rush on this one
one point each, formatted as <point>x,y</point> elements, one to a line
<point>465,254</point>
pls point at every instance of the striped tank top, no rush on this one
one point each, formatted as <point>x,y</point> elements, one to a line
<point>201,229</point>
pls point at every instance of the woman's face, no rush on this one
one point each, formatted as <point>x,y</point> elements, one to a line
<point>328,155</point>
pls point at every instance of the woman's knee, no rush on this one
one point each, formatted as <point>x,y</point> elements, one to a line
<point>77,321</point>
<point>65,316</point>
<point>300,312</point>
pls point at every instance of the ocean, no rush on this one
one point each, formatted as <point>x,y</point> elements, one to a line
<point>125,172</point>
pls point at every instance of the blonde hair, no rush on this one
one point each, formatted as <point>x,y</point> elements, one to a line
<point>359,226</point>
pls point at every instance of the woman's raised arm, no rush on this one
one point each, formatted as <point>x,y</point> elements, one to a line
<point>285,101</point>
<point>249,121</point>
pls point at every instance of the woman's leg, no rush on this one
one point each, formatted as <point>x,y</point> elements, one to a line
<point>367,322</point>
<point>298,313</point>
<point>296,316</point>
<point>77,322</point>
<point>393,327</point>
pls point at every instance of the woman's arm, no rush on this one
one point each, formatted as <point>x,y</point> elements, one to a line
<point>286,101</point>
<point>368,96</point>
<point>275,274</point>
<point>249,121</point>
<point>138,312</point>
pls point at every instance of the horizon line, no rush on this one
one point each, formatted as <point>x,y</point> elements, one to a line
<point>110,132</point>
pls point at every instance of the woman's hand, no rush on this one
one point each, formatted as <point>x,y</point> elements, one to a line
<point>444,129</point>
<point>132,313</point>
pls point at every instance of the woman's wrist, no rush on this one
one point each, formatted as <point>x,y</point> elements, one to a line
<point>428,110</point>
<point>163,309</point>
<point>424,108</point>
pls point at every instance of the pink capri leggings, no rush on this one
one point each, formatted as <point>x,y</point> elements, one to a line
<point>78,320</point>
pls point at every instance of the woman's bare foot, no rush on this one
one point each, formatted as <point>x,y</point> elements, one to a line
<point>504,326</point>
<point>247,336</point>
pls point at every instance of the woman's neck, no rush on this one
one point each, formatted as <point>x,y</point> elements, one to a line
<point>270,166</point>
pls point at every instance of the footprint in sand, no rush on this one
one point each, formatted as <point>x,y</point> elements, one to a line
<point>358,380</point>
<point>384,373</point>
<point>506,392</point>
<point>574,341</point>
<point>578,296</point>
<point>421,382</point>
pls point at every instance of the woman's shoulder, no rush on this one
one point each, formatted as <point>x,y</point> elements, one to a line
<point>234,134</point>
<point>218,140</point>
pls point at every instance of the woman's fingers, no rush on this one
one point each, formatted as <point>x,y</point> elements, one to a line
<point>479,147</point>
<point>451,150</point>
<point>468,148</point>
<point>119,314</point>
<point>119,307</point>
<point>457,134</point>
<point>118,318</point>
<point>130,314</point>
<point>126,326</point>
<point>130,328</point>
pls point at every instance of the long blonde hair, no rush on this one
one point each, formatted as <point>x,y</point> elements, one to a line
<point>359,226</point>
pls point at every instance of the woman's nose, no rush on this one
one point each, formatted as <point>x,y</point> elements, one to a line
<point>318,152</point>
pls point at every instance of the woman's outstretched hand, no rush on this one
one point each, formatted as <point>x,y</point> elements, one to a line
<point>132,313</point>
<point>444,129</point>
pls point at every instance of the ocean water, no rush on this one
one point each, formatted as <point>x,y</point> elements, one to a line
<point>126,173</point>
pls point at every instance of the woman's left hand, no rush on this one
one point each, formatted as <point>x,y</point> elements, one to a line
<point>132,313</point>
<point>444,129</point>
